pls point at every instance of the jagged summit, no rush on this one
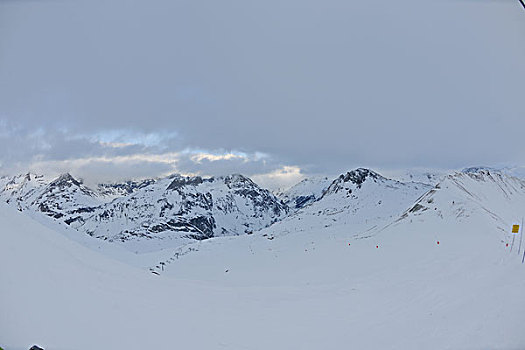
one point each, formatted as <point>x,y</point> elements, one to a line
<point>238,181</point>
<point>359,175</point>
<point>65,180</point>
<point>353,179</point>
<point>183,208</point>
<point>21,178</point>
<point>180,181</point>
<point>232,181</point>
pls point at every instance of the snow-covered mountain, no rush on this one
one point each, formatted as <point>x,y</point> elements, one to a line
<point>19,189</point>
<point>498,197</point>
<point>305,192</point>
<point>175,208</point>
<point>172,211</point>
<point>187,208</point>
<point>64,198</point>
<point>361,199</point>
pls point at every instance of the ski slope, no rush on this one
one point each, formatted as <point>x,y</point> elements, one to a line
<point>332,288</point>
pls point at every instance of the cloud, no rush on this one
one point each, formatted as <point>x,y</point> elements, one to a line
<point>200,157</point>
<point>94,170</point>
<point>106,170</point>
<point>282,178</point>
<point>118,155</point>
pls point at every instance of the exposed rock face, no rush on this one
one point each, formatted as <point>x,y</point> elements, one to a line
<point>65,198</point>
<point>181,181</point>
<point>355,177</point>
<point>176,207</point>
<point>18,190</point>
<point>182,209</point>
<point>187,207</point>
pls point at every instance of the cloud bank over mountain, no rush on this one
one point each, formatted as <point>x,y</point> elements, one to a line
<point>145,89</point>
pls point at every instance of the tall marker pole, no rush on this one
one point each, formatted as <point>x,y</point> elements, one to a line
<point>515,230</point>
<point>521,236</point>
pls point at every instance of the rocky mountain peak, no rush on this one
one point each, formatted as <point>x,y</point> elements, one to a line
<point>180,181</point>
<point>65,180</point>
<point>359,175</point>
<point>353,179</point>
<point>238,180</point>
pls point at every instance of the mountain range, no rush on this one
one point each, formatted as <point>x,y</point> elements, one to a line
<point>176,210</point>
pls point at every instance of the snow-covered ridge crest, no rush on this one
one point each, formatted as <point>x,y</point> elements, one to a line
<point>490,194</point>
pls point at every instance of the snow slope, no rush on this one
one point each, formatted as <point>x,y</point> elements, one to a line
<point>435,279</point>
<point>496,196</point>
<point>61,295</point>
<point>394,288</point>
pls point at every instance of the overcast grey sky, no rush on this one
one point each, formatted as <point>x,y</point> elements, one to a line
<point>276,89</point>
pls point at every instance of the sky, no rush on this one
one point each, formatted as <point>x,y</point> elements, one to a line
<point>277,89</point>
